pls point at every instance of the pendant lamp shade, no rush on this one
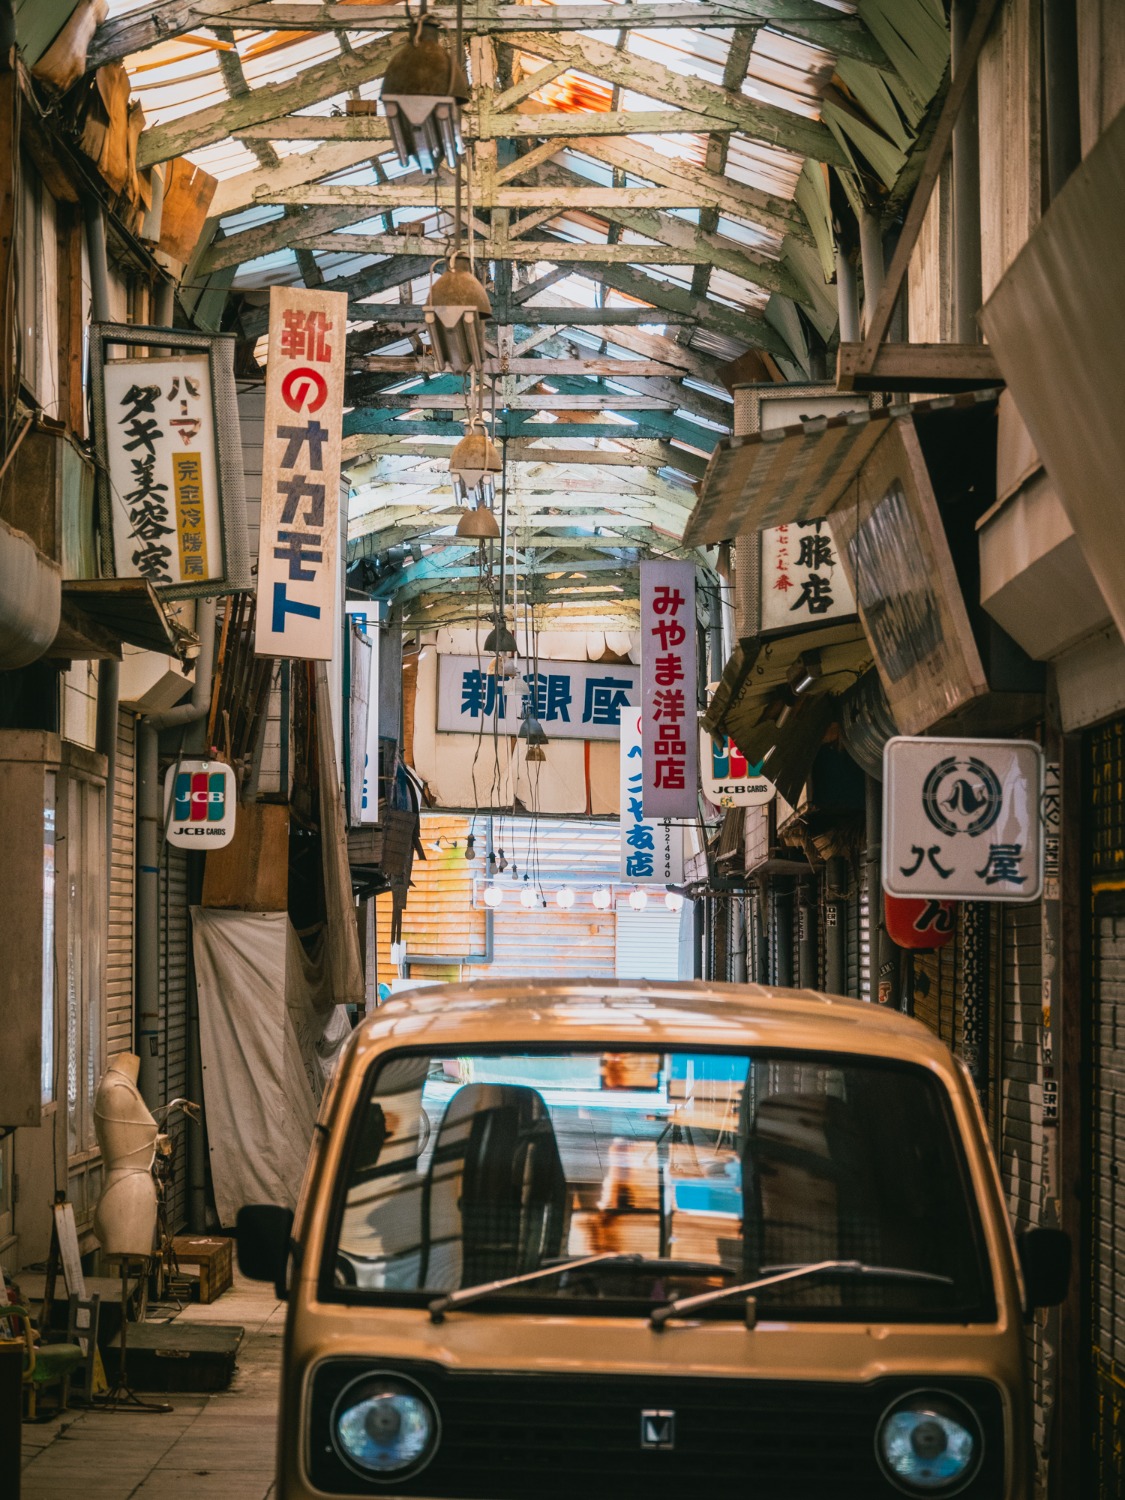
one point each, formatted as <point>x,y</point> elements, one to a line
<point>532,731</point>
<point>455,314</point>
<point>478,525</point>
<point>423,91</point>
<point>472,464</point>
<point>500,640</point>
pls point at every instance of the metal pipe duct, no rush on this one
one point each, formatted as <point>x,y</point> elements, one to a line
<point>30,600</point>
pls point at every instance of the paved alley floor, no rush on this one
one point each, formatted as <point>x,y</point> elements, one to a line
<point>216,1447</point>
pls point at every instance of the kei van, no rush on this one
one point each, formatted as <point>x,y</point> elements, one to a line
<point>603,1240</point>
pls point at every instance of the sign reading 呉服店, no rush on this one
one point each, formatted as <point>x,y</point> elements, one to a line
<point>962,819</point>
<point>652,850</point>
<point>668,690</point>
<point>802,580</point>
<point>299,538</point>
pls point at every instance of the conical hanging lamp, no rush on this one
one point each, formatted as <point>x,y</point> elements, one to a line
<point>473,463</point>
<point>500,640</point>
<point>455,312</point>
<point>424,88</point>
<point>478,525</point>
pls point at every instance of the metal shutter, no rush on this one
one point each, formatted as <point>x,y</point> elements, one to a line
<point>647,943</point>
<point>937,988</point>
<point>174,949</point>
<point>122,893</point>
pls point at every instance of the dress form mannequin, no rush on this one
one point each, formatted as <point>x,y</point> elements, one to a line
<point>125,1218</point>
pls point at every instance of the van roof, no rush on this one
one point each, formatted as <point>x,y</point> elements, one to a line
<point>682,1015</point>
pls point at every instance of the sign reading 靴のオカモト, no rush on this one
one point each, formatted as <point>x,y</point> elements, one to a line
<point>652,850</point>
<point>668,690</point>
<point>299,543</point>
<point>962,819</point>
<point>200,800</point>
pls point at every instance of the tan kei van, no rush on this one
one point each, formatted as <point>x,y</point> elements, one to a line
<point>597,1241</point>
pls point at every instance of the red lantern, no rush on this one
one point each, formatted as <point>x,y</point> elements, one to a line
<point>914,922</point>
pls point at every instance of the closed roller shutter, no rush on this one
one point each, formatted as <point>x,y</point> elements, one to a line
<point>547,943</point>
<point>122,893</point>
<point>937,989</point>
<point>174,949</point>
<point>647,943</point>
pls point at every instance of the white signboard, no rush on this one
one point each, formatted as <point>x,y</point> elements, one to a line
<point>802,580</point>
<point>163,474</point>
<point>200,799</point>
<point>363,722</point>
<point>727,777</point>
<point>575,700</point>
<point>652,852</point>
<point>962,819</point>
<point>300,527</point>
<point>669,676</point>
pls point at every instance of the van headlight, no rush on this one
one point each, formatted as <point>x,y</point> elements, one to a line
<point>929,1444</point>
<point>385,1426</point>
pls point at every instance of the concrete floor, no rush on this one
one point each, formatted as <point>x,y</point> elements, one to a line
<point>209,1448</point>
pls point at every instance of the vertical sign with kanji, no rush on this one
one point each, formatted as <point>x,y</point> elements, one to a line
<point>802,580</point>
<point>652,851</point>
<point>668,690</point>
<point>163,470</point>
<point>299,538</point>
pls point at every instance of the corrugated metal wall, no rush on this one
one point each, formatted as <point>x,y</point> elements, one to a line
<point>119,952</point>
<point>647,942</point>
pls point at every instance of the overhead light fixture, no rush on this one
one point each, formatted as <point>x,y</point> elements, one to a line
<point>436,846</point>
<point>424,88</point>
<point>527,895</point>
<point>602,897</point>
<point>502,863</point>
<point>500,640</point>
<point>472,464</point>
<point>493,896</point>
<point>638,899</point>
<point>565,897</point>
<point>673,900</point>
<point>804,672</point>
<point>455,312</point>
<point>532,731</point>
<point>536,755</point>
<point>470,847</point>
<point>477,525</point>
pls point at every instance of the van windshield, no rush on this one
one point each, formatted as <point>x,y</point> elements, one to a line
<point>686,1172</point>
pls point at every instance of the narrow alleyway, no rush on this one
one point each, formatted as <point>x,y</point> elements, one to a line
<point>209,1447</point>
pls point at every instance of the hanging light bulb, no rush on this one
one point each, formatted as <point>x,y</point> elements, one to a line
<point>565,897</point>
<point>424,88</point>
<point>455,312</point>
<point>527,895</point>
<point>493,896</point>
<point>638,899</point>
<point>602,897</point>
<point>502,863</point>
<point>673,900</point>
<point>470,847</point>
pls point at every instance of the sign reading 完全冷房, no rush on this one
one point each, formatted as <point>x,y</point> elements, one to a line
<point>200,798</point>
<point>962,819</point>
<point>571,699</point>
<point>299,538</point>
<point>668,690</point>
<point>652,850</point>
<point>162,469</point>
<point>802,580</point>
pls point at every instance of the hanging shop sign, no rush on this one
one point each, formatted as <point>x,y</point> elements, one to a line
<point>727,777</point>
<point>913,922</point>
<point>894,549</point>
<point>669,673</point>
<point>363,712</point>
<point>573,700</point>
<point>962,819</point>
<point>170,473</point>
<point>802,581</point>
<point>299,541</point>
<point>200,799</point>
<point>652,850</point>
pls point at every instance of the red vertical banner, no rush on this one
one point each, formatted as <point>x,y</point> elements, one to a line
<point>669,673</point>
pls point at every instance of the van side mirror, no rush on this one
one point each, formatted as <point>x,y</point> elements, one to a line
<point>1045,1259</point>
<point>262,1236</point>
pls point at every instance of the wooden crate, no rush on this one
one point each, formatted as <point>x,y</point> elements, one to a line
<point>251,873</point>
<point>212,1254</point>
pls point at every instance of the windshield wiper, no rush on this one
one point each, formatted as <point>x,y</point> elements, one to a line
<point>661,1315</point>
<point>441,1305</point>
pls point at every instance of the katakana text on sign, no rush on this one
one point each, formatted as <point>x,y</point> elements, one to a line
<point>668,690</point>
<point>299,538</point>
<point>962,819</point>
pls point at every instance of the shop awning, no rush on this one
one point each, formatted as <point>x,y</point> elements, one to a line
<point>98,614</point>
<point>798,473</point>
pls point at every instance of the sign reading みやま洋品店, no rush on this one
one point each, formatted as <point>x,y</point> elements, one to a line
<point>963,819</point>
<point>652,850</point>
<point>162,469</point>
<point>668,690</point>
<point>576,700</point>
<point>298,545</point>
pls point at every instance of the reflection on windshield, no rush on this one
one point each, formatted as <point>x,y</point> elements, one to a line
<point>702,1168</point>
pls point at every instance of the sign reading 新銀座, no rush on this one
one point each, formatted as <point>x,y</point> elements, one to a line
<point>668,690</point>
<point>299,537</point>
<point>576,700</point>
<point>200,799</point>
<point>652,850</point>
<point>962,819</point>
<point>161,459</point>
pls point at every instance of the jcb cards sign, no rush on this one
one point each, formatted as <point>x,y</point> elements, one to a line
<point>200,797</point>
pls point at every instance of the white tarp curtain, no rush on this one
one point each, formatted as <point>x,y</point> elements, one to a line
<point>269,1035</point>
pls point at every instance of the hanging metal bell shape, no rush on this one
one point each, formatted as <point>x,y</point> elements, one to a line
<point>423,91</point>
<point>455,314</point>
<point>472,464</point>
<point>478,525</point>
